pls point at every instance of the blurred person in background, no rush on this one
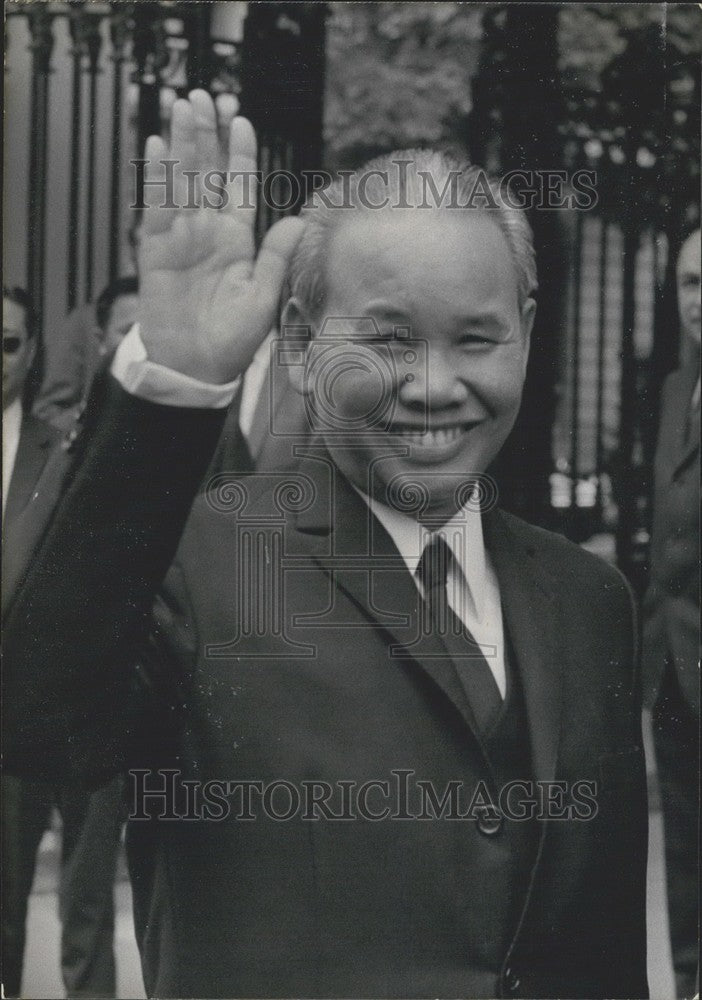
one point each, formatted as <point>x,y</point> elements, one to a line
<point>672,624</point>
<point>25,438</point>
<point>73,354</point>
<point>115,311</point>
<point>91,821</point>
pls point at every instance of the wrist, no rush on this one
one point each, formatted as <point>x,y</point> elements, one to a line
<point>162,383</point>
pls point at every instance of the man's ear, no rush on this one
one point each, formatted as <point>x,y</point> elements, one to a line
<point>527,322</point>
<point>296,329</point>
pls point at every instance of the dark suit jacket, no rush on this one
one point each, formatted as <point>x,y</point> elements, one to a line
<point>72,358</point>
<point>33,450</point>
<point>283,423</point>
<point>672,603</point>
<point>21,526</point>
<point>337,689</point>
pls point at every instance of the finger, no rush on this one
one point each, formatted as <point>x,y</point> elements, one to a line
<point>183,150</point>
<point>227,106</point>
<point>274,258</point>
<point>156,218</point>
<point>241,186</point>
<point>208,151</point>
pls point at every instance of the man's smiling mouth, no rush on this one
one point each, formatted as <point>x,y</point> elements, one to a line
<point>433,444</point>
<point>431,437</point>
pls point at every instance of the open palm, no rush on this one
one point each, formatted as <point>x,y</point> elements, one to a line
<point>206,302</point>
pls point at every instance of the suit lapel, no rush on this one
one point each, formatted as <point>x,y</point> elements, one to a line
<point>688,447</point>
<point>685,445</point>
<point>33,449</point>
<point>357,553</point>
<point>38,478</point>
<point>361,559</point>
<point>530,613</point>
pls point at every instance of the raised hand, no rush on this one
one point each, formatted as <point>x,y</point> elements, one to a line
<point>205,302</point>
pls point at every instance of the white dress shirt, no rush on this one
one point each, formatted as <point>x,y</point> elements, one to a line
<point>11,428</point>
<point>157,384</point>
<point>472,589</point>
<point>254,381</point>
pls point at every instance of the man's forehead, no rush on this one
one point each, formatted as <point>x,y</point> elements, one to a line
<point>125,301</point>
<point>14,315</point>
<point>394,223</point>
<point>392,242</point>
<point>689,258</point>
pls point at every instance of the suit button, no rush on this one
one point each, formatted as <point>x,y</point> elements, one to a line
<point>489,822</point>
<point>512,980</point>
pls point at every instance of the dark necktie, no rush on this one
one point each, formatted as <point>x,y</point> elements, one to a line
<point>470,663</point>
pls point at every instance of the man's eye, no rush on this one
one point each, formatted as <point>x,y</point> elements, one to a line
<point>10,344</point>
<point>476,340</point>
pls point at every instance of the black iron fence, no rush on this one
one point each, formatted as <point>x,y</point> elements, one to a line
<point>606,331</point>
<point>102,77</point>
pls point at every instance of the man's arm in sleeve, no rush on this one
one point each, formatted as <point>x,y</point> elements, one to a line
<point>82,607</point>
<point>206,302</point>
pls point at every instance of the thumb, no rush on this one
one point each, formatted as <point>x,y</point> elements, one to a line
<point>275,255</point>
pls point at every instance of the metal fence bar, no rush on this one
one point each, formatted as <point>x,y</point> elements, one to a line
<point>120,21</point>
<point>601,344</point>
<point>93,43</point>
<point>41,46</point>
<point>575,370</point>
<point>627,424</point>
<point>75,19</point>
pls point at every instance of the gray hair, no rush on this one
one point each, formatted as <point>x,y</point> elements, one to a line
<point>404,180</point>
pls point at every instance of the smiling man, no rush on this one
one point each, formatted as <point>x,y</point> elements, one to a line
<point>405,731</point>
<point>458,281</point>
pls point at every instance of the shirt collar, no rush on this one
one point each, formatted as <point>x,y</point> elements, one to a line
<point>463,534</point>
<point>11,429</point>
<point>12,418</point>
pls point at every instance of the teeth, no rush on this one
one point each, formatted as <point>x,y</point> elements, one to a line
<point>431,438</point>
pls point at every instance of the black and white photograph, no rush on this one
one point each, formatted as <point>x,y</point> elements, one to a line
<point>351,500</point>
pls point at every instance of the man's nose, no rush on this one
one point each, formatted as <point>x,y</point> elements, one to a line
<point>433,383</point>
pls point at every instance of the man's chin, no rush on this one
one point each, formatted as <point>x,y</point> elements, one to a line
<point>428,494</point>
<point>405,481</point>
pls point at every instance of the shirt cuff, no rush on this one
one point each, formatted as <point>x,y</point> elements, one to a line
<point>158,384</point>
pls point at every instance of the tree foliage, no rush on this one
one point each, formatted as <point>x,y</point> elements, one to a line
<point>398,75</point>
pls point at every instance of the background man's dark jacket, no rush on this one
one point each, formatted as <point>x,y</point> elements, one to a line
<point>334,908</point>
<point>672,604</point>
<point>91,821</point>
<point>33,449</point>
<point>671,660</point>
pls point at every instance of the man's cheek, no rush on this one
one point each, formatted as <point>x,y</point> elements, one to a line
<point>505,389</point>
<point>362,394</point>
